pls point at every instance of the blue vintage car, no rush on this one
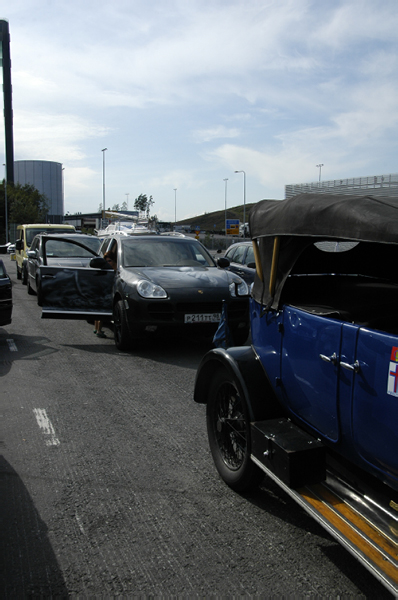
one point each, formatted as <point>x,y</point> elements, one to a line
<point>313,402</point>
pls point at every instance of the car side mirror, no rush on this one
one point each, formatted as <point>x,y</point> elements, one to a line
<point>31,254</point>
<point>223,262</point>
<point>251,265</point>
<point>19,245</point>
<point>99,263</point>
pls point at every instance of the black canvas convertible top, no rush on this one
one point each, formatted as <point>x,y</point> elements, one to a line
<point>362,218</point>
<point>300,221</point>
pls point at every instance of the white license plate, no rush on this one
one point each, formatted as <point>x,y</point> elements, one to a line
<point>202,318</point>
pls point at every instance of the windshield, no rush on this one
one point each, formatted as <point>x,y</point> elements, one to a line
<point>165,253</point>
<point>64,249</point>
<point>30,233</point>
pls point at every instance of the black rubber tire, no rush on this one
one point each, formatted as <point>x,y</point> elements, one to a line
<point>39,292</point>
<point>228,430</point>
<point>19,274</point>
<point>121,330</point>
<point>31,291</point>
<point>24,276</point>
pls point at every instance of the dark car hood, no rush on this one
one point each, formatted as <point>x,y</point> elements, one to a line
<point>183,277</point>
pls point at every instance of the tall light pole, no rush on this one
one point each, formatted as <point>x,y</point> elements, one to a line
<point>225,201</point>
<point>244,201</point>
<point>103,181</point>
<point>175,207</point>
<point>5,201</point>
<point>320,170</point>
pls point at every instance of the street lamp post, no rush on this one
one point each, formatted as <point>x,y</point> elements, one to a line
<point>5,201</point>
<point>244,201</point>
<point>225,202</point>
<point>175,207</point>
<point>320,170</point>
<point>103,181</point>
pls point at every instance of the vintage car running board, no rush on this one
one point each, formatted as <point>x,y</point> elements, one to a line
<point>350,518</point>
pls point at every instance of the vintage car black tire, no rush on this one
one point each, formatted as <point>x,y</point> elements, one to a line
<point>228,429</point>
<point>121,330</point>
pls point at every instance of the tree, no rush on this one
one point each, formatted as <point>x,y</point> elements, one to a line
<point>25,204</point>
<point>143,204</point>
<point>116,207</point>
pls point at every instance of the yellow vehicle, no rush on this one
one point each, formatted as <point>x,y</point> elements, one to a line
<point>25,235</point>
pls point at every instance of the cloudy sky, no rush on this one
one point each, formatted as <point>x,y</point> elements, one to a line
<point>184,92</point>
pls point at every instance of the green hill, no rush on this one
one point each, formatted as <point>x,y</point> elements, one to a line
<point>215,221</point>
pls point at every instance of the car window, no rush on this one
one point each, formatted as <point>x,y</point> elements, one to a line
<point>59,249</point>
<point>167,253</point>
<point>240,255</point>
<point>30,233</point>
<point>92,242</point>
<point>250,256</point>
<point>230,252</point>
<point>35,244</point>
<point>104,245</point>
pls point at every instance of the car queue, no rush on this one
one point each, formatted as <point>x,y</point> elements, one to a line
<point>162,282</point>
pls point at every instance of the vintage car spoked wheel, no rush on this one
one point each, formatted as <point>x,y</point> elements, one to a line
<point>122,334</point>
<point>228,429</point>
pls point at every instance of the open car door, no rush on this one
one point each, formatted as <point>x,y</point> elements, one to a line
<point>76,292</point>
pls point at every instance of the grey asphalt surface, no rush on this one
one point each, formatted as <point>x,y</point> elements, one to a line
<point>107,486</point>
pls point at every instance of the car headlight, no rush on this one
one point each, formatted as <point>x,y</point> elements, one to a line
<point>147,289</point>
<point>238,288</point>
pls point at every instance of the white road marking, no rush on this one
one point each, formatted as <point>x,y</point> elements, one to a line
<point>80,524</point>
<point>46,426</point>
<point>12,346</point>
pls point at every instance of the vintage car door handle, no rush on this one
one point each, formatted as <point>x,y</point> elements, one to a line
<point>48,276</point>
<point>331,359</point>
<point>355,367</point>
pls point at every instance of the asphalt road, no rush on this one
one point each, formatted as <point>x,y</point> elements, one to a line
<point>108,487</point>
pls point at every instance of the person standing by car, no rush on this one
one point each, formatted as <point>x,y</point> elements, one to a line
<point>110,258</point>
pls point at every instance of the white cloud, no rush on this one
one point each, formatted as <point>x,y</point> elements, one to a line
<point>297,82</point>
<point>206,135</point>
<point>52,137</point>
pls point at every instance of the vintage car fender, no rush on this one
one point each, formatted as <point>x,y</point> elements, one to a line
<point>248,372</point>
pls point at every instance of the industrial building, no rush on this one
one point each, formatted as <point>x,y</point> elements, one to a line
<point>380,186</point>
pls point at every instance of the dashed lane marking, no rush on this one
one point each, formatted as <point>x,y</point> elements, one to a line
<point>46,427</point>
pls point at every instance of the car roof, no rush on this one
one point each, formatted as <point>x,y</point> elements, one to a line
<point>71,235</point>
<point>154,238</point>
